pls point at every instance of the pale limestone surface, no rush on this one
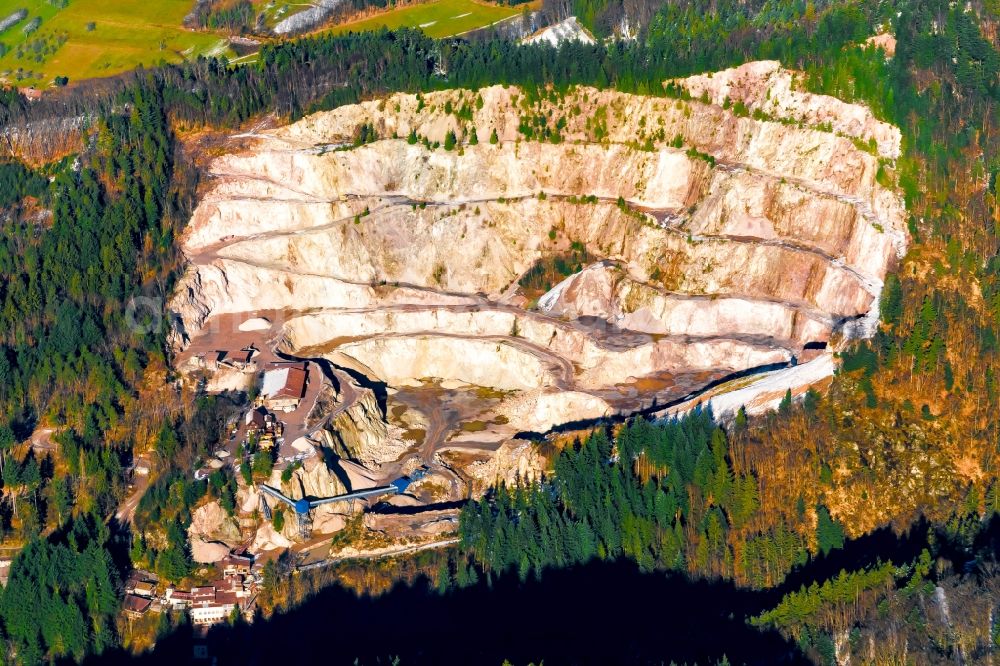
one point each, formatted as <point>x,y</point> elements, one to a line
<point>401,262</point>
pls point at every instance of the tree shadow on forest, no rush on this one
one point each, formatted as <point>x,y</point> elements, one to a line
<point>599,613</point>
<point>884,545</point>
<point>879,546</point>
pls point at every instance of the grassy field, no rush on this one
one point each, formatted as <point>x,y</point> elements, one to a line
<point>81,39</point>
<point>91,38</point>
<point>438,18</point>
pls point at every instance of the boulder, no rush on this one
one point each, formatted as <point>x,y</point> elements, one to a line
<point>267,538</point>
<point>326,520</point>
<point>210,522</point>
<point>208,552</point>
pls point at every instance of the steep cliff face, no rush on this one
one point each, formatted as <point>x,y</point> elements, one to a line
<point>636,306</point>
<point>764,86</point>
<point>674,238</point>
<point>360,432</point>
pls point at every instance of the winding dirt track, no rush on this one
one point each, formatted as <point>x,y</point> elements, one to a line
<point>388,203</point>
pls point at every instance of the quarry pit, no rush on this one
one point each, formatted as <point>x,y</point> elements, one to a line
<point>468,270</point>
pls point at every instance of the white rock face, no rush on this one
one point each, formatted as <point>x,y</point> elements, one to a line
<point>268,539</point>
<point>229,379</point>
<point>406,263</point>
<point>567,30</point>
<point>765,392</point>
<point>514,461</point>
<point>248,498</point>
<point>540,412</point>
<point>765,86</point>
<point>208,552</point>
<point>398,359</point>
<point>313,479</point>
<point>255,324</point>
<point>545,351</point>
<point>635,306</point>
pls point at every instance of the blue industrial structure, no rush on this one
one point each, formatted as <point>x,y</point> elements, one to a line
<point>403,483</point>
<point>303,507</point>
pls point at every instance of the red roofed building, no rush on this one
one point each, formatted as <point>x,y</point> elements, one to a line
<point>221,606</point>
<point>136,606</point>
<point>284,386</point>
<point>178,599</point>
<point>236,565</point>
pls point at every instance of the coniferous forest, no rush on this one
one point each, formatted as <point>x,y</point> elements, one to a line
<point>642,496</point>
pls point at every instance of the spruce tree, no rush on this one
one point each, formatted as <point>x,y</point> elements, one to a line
<point>785,406</point>
<point>829,533</point>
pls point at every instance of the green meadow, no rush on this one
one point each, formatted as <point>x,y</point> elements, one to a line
<point>81,39</point>
<point>438,18</point>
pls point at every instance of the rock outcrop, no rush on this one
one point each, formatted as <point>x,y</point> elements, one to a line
<point>540,412</point>
<point>567,30</point>
<point>212,533</point>
<point>515,461</point>
<point>315,478</point>
<point>208,552</point>
<point>267,538</point>
<point>359,430</point>
<point>414,526</point>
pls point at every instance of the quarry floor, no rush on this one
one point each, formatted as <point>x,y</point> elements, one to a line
<point>448,418</point>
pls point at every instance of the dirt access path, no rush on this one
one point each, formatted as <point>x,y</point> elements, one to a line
<point>222,332</point>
